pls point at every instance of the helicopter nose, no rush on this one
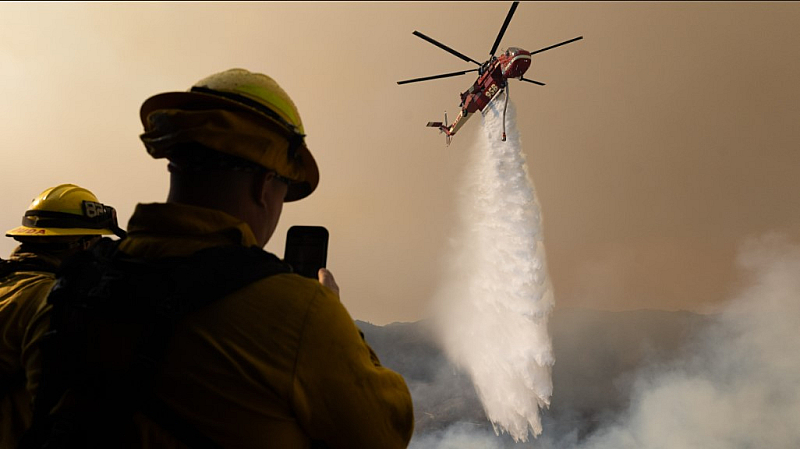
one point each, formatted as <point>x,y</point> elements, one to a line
<point>517,66</point>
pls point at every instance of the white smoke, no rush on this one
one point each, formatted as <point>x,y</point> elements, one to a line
<point>494,304</point>
<point>458,436</point>
<point>739,387</point>
<point>742,387</point>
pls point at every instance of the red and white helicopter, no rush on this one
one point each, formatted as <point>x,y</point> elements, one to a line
<point>493,76</point>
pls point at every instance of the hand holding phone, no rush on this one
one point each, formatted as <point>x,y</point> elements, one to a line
<point>326,279</point>
<point>306,249</point>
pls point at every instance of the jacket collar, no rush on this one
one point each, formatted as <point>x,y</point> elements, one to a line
<point>156,227</point>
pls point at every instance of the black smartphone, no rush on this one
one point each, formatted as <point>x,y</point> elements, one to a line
<point>306,249</point>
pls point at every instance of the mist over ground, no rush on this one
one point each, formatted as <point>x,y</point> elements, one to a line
<point>597,355</point>
<point>639,379</point>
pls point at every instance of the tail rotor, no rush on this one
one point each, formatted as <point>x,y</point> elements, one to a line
<point>447,135</point>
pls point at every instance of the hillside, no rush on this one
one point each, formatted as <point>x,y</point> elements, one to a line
<point>598,355</point>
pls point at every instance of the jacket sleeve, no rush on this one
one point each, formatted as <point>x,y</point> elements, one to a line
<point>22,324</point>
<point>341,393</point>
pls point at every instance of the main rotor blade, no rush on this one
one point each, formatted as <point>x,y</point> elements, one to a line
<point>503,29</point>
<point>532,81</point>
<point>445,75</point>
<point>557,45</point>
<point>445,47</point>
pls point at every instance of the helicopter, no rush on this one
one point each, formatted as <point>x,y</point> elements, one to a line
<point>493,76</point>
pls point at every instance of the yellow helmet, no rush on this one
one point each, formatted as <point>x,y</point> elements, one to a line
<point>240,113</point>
<point>67,210</point>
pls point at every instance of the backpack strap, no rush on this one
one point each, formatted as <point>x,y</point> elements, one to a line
<point>60,344</point>
<point>104,291</point>
<point>208,275</point>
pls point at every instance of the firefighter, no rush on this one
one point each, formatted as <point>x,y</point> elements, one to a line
<point>279,362</point>
<point>61,221</point>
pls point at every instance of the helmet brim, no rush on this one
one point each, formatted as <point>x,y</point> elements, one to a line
<point>195,101</point>
<point>25,231</point>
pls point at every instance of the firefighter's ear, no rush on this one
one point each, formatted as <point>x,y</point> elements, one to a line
<point>262,187</point>
<point>259,186</point>
<point>88,242</point>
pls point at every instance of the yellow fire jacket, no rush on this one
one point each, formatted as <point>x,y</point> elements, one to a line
<point>23,321</point>
<point>276,364</point>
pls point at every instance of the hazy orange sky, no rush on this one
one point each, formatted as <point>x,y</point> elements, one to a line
<point>663,140</point>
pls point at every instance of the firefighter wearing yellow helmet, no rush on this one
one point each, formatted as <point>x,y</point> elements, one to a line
<point>239,113</point>
<point>66,210</point>
<point>59,222</point>
<point>276,362</point>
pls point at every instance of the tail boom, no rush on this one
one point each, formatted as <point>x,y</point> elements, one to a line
<point>450,130</point>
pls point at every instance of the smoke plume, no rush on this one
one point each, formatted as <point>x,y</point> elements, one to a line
<point>742,386</point>
<point>495,301</point>
<point>737,386</point>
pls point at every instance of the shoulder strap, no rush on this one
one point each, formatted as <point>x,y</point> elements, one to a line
<point>199,280</point>
<point>59,360</point>
<point>105,290</point>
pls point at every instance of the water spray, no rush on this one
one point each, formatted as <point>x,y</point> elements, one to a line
<point>494,304</point>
